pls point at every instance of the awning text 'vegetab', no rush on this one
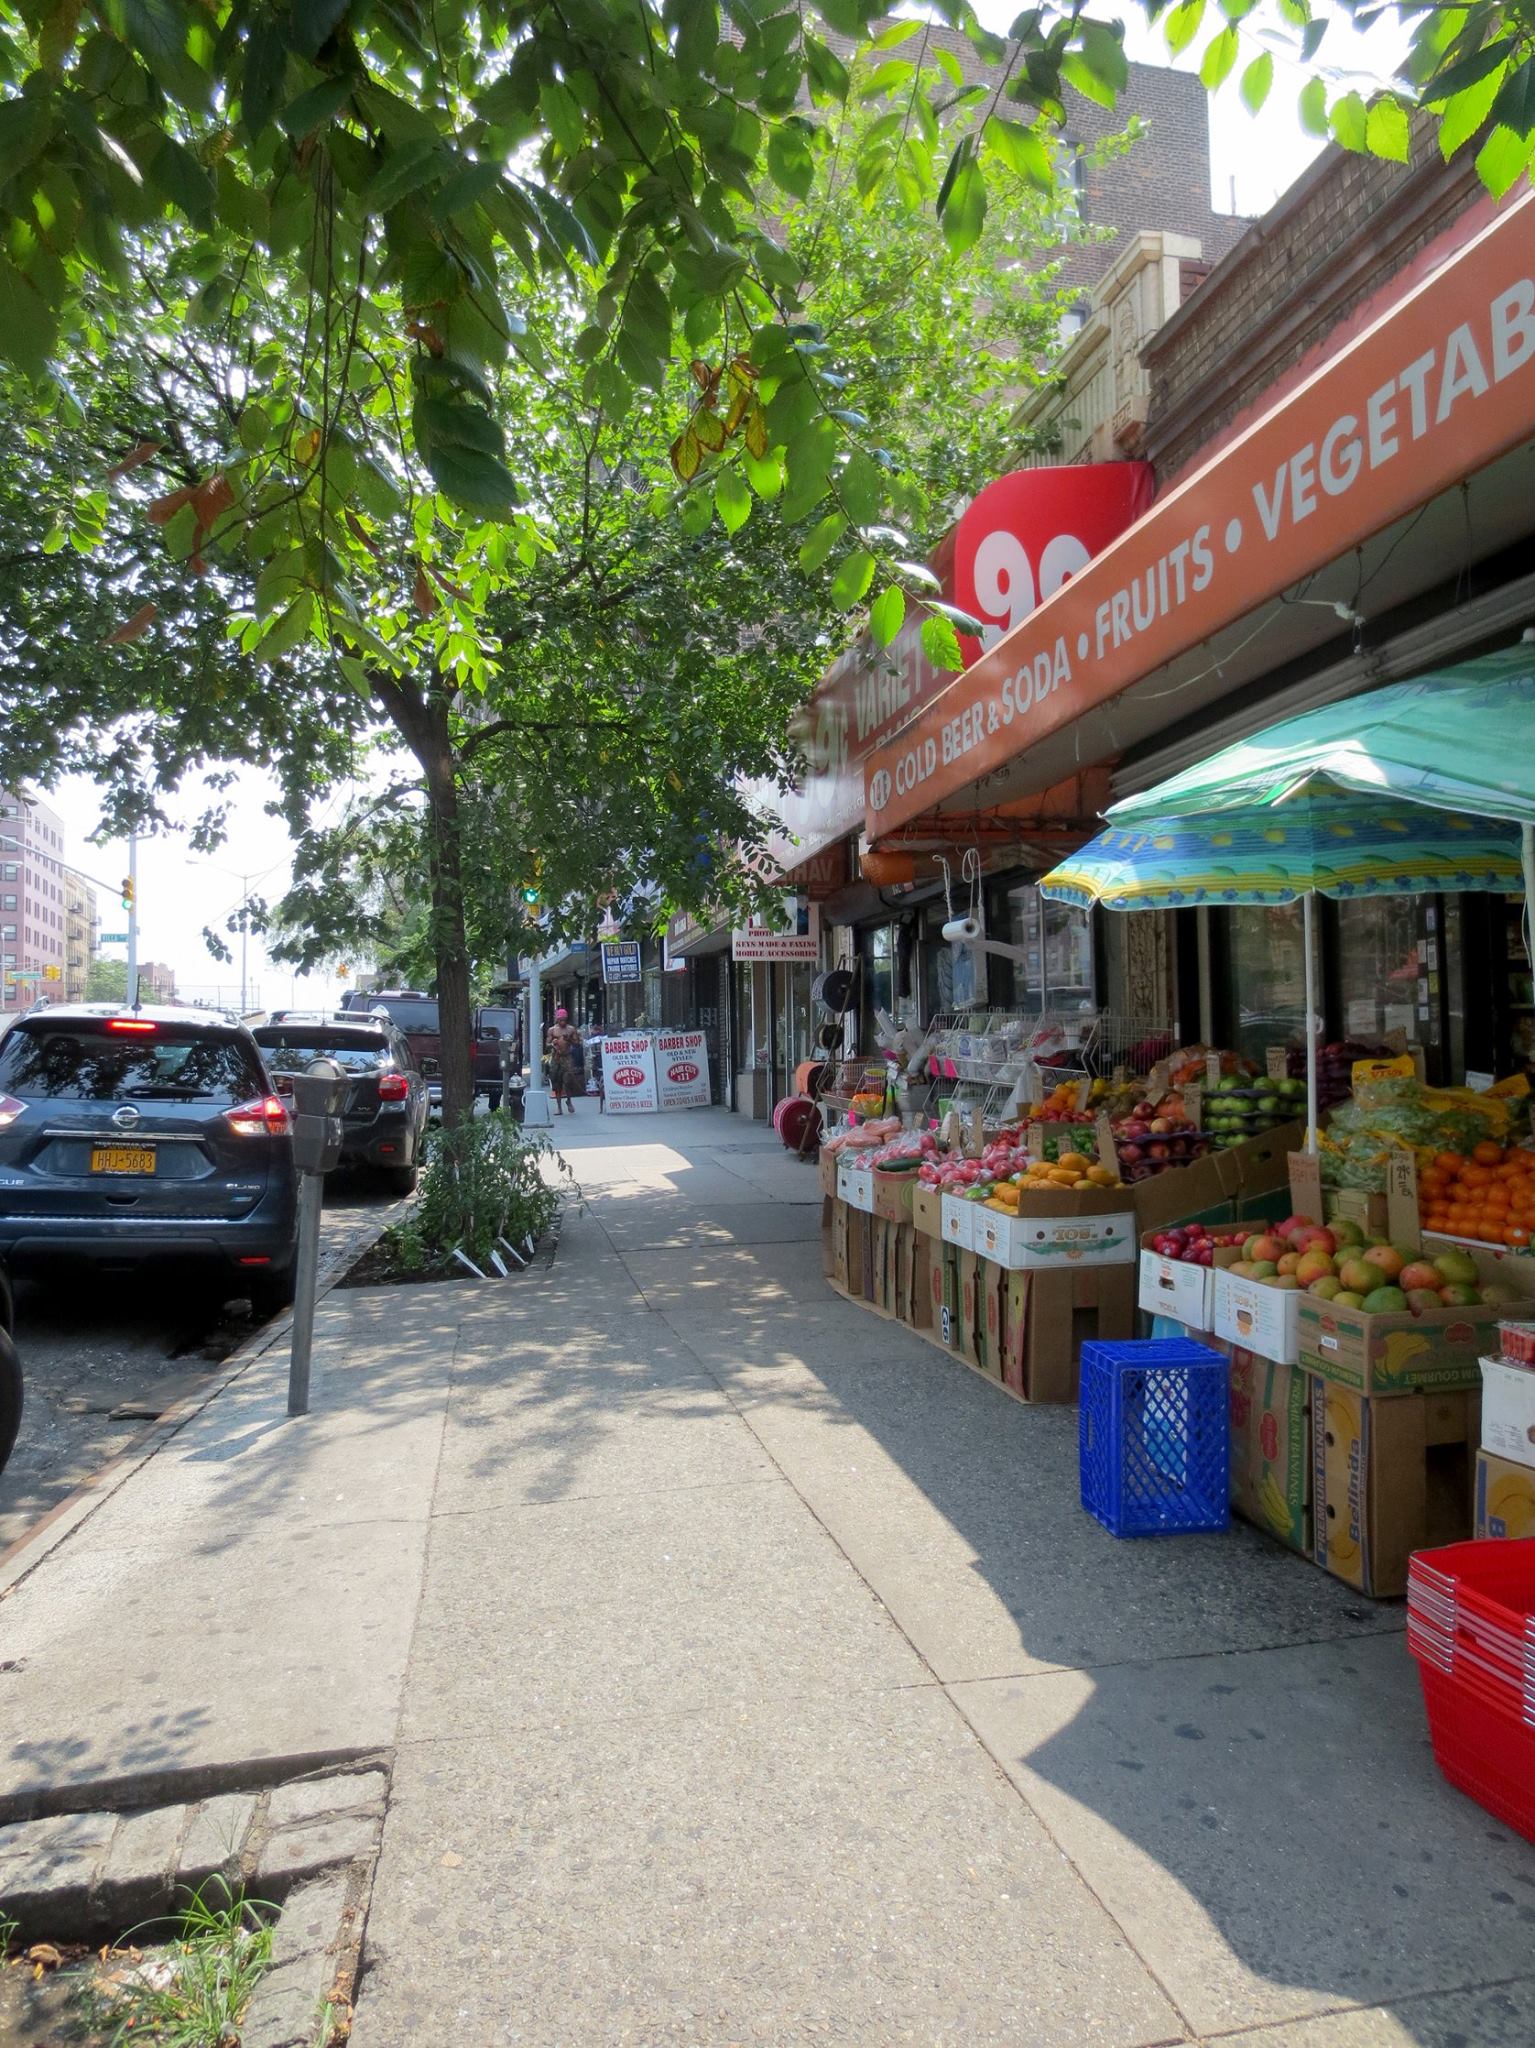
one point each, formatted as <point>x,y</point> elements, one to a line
<point>1439,386</point>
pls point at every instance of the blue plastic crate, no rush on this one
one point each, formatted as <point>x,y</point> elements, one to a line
<point>1154,1437</point>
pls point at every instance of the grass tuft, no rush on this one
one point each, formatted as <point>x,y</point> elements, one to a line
<point>193,1992</point>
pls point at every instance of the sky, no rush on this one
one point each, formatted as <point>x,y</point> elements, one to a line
<point>1253,160</point>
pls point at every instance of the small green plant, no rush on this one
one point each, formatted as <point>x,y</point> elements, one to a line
<point>8,1929</point>
<point>192,1993</point>
<point>484,1179</point>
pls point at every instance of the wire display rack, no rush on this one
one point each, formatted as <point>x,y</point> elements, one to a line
<point>988,1059</point>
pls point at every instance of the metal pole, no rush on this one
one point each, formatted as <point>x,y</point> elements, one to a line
<point>310,1188</point>
<point>536,1113</point>
<point>244,941</point>
<point>132,989</point>
<point>1307,902</point>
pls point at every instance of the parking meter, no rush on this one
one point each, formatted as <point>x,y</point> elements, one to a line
<point>318,1099</point>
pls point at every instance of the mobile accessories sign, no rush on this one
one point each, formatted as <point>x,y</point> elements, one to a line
<point>621,960</point>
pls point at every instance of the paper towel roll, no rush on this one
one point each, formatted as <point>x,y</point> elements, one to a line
<point>965,929</point>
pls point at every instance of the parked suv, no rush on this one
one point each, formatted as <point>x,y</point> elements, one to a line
<point>151,1134</point>
<point>415,1016</point>
<point>384,1117</point>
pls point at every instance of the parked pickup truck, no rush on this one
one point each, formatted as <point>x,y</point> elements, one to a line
<point>415,1014</point>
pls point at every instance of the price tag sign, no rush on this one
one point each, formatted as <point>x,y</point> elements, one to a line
<point>1157,1081</point>
<point>1193,1101</point>
<point>1108,1152</point>
<point>1084,1092</point>
<point>1399,1069</point>
<point>1402,1222</point>
<point>1036,1085</point>
<point>1212,1069</point>
<point>1276,1063</point>
<point>1306,1184</point>
<point>1036,1140</point>
<point>977,1142</point>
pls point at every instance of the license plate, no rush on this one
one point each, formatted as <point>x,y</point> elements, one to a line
<point>122,1159</point>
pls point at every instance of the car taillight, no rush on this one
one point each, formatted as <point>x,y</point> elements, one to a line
<point>265,1116</point>
<point>130,1024</point>
<point>392,1087</point>
<point>10,1109</point>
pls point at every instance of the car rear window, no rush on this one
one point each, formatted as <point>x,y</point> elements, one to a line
<point>505,1021</point>
<point>293,1055</point>
<point>410,1014</point>
<point>83,1064</point>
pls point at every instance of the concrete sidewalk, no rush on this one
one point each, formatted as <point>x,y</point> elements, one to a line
<point>749,1673</point>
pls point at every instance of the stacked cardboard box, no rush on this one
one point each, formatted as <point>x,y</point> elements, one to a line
<point>1505,1464</point>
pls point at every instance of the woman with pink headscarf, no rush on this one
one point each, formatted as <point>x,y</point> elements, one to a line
<point>567,1061</point>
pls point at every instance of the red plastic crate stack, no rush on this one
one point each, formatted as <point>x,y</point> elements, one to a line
<point>1471,1626</point>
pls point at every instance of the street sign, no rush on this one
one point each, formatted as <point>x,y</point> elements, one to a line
<point>621,960</point>
<point>114,938</point>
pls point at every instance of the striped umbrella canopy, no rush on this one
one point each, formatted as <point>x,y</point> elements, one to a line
<point>1315,837</point>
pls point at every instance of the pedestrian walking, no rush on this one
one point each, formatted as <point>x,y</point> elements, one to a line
<point>567,1061</point>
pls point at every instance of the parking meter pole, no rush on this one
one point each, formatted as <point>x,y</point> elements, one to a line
<point>535,1101</point>
<point>319,1096</point>
<point>310,1189</point>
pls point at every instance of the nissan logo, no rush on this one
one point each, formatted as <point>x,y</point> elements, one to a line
<point>126,1117</point>
<point>879,789</point>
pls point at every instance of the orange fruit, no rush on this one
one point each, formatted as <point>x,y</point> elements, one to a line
<point>1487,1153</point>
<point>1475,1177</point>
<point>1449,1162</point>
<point>1517,1234</point>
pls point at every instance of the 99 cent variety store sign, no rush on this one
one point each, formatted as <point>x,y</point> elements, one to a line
<point>1434,388</point>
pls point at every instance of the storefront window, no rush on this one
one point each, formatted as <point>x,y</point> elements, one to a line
<point>878,977</point>
<point>1389,969</point>
<point>1266,976</point>
<point>1056,972</point>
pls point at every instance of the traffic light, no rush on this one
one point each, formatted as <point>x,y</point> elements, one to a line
<point>532,892</point>
<point>342,971</point>
<point>127,892</point>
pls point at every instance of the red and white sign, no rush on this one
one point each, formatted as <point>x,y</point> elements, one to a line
<point>629,1076</point>
<point>1030,532</point>
<point>682,1070</point>
<point>1021,539</point>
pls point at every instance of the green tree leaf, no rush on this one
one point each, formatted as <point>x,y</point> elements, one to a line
<point>1220,55</point>
<point>854,574</point>
<point>887,614</point>
<point>1386,130</point>
<point>1502,159</point>
<point>1256,81</point>
<point>1350,122</point>
<point>1023,152</point>
<point>1313,107</point>
<point>790,159</point>
<point>815,551</point>
<point>732,500</point>
<point>1181,24</point>
<point>940,643</point>
<point>962,205</point>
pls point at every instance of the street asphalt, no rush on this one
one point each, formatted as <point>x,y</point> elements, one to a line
<point>748,1672</point>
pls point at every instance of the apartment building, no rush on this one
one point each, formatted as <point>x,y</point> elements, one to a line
<point>82,920</point>
<point>33,908</point>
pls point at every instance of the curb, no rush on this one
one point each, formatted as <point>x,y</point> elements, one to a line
<point>22,1557</point>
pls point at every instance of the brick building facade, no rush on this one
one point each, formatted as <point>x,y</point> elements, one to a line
<point>1286,290</point>
<point>32,901</point>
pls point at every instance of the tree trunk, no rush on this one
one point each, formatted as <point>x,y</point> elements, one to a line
<point>449,936</point>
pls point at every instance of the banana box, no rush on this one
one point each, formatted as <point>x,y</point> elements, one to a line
<point>1388,1477</point>
<point>1271,1447</point>
<point>1395,1354</point>
<point>927,1209</point>
<point>1258,1317</point>
<point>1505,1497</point>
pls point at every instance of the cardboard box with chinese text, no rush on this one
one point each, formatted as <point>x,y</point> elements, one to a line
<point>1271,1447</point>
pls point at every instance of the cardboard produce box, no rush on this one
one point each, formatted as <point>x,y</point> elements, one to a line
<point>826,1166</point>
<point>916,1294</point>
<point>893,1194</point>
<point>1258,1317</point>
<point>1049,1316</point>
<point>1395,1354</point>
<point>1271,1447</point>
<point>1059,1231</point>
<point>1171,1287</point>
<point>942,1288</point>
<point>855,1185</point>
<point>1505,1497</point>
<point>1508,1411</point>
<point>1388,1477</point>
<point>927,1210</point>
<point>990,1318</point>
<point>964,1332</point>
<point>1240,1174</point>
<point>828,1237</point>
<point>958,1221</point>
<point>847,1231</point>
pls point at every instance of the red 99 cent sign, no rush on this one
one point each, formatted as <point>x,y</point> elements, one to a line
<point>1030,532</point>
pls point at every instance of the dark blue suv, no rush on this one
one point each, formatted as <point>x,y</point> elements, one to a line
<point>149,1134</point>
